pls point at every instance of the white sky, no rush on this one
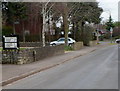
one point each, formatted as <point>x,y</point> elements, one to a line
<point>109,6</point>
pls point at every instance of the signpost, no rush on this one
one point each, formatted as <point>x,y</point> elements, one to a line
<point>10,48</point>
<point>10,42</point>
<point>111,32</point>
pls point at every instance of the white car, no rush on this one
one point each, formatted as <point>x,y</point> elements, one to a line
<point>62,41</point>
<point>117,41</point>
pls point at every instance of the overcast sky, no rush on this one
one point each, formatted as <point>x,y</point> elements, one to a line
<point>109,6</point>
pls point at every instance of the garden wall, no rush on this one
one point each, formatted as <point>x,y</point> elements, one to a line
<point>92,43</point>
<point>78,45</point>
<point>31,55</point>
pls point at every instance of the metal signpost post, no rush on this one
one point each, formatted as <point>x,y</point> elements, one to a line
<point>111,32</point>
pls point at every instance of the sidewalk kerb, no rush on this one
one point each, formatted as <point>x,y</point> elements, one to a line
<point>11,80</point>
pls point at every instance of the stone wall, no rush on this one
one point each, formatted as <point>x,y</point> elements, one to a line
<point>31,55</point>
<point>9,56</point>
<point>78,45</point>
<point>92,43</point>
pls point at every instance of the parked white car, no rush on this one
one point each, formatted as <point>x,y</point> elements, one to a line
<point>62,41</point>
<point>117,40</point>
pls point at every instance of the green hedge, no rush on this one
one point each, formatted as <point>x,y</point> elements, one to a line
<point>7,30</point>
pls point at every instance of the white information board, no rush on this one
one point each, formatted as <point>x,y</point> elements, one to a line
<point>10,45</point>
<point>10,42</point>
<point>10,39</point>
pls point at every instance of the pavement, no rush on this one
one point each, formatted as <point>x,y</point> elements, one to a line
<point>12,73</point>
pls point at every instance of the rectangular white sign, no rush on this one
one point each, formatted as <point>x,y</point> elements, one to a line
<point>10,45</point>
<point>10,39</point>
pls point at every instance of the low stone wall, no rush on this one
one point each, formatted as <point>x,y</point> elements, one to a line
<point>92,43</point>
<point>78,45</point>
<point>9,56</point>
<point>31,55</point>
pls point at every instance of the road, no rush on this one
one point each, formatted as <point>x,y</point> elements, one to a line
<point>96,70</point>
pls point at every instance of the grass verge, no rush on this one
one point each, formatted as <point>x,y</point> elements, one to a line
<point>68,48</point>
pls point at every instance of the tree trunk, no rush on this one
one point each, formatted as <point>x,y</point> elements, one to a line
<point>65,22</point>
<point>82,31</point>
<point>40,32</point>
<point>23,32</point>
<point>74,31</point>
<point>14,32</point>
<point>44,25</point>
<point>49,33</point>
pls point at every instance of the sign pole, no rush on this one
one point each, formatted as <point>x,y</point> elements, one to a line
<point>111,32</point>
<point>111,37</point>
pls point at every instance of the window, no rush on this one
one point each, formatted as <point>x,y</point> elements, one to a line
<point>69,40</point>
<point>61,39</point>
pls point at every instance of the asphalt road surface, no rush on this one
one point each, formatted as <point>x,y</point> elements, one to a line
<point>96,70</point>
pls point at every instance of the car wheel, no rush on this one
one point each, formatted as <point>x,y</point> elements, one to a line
<point>70,44</point>
<point>117,41</point>
<point>53,44</point>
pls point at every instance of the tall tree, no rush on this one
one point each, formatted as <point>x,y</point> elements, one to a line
<point>13,12</point>
<point>65,22</point>
<point>82,12</point>
<point>109,24</point>
<point>117,24</point>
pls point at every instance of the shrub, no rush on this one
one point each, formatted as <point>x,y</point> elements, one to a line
<point>7,30</point>
<point>87,35</point>
<point>107,36</point>
<point>68,48</point>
